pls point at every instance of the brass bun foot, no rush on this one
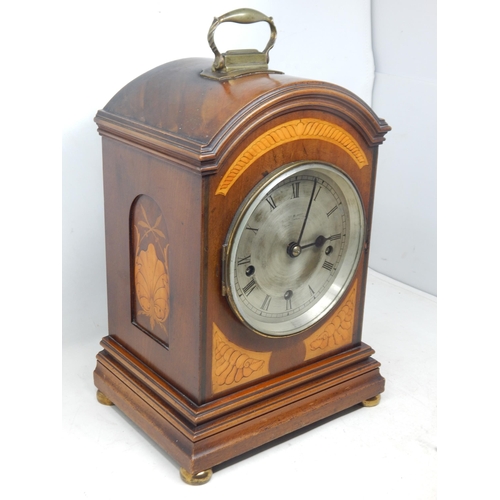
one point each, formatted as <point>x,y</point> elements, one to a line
<point>196,479</point>
<point>371,401</point>
<point>103,399</point>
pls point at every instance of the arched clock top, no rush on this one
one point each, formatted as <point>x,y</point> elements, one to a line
<point>171,110</point>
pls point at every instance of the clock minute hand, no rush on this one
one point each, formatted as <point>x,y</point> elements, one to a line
<point>307,213</point>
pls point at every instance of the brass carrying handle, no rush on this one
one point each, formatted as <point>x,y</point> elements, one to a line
<point>240,16</point>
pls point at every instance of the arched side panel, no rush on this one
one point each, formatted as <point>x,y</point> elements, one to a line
<point>149,269</point>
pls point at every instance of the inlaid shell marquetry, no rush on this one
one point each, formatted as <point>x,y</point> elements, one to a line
<point>338,331</point>
<point>233,365</point>
<point>151,286</point>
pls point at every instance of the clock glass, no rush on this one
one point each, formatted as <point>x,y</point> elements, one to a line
<point>293,247</point>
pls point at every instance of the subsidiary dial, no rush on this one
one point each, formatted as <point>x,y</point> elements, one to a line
<point>293,247</point>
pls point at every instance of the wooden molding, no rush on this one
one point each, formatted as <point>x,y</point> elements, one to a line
<point>229,433</point>
<point>185,413</point>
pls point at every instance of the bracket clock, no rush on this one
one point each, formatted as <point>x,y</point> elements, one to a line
<point>238,205</point>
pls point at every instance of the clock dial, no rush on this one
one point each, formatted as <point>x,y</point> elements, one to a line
<point>293,248</point>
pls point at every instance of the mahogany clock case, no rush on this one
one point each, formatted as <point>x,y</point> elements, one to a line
<point>180,153</point>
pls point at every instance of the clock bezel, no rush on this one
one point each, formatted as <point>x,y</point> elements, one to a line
<point>331,297</point>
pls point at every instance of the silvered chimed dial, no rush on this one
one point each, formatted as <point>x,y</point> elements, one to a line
<point>293,247</point>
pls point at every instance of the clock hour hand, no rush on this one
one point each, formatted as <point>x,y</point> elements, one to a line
<point>320,241</point>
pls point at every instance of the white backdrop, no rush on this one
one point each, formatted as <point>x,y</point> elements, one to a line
<point>404,240</point>
<point>105,44</point>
